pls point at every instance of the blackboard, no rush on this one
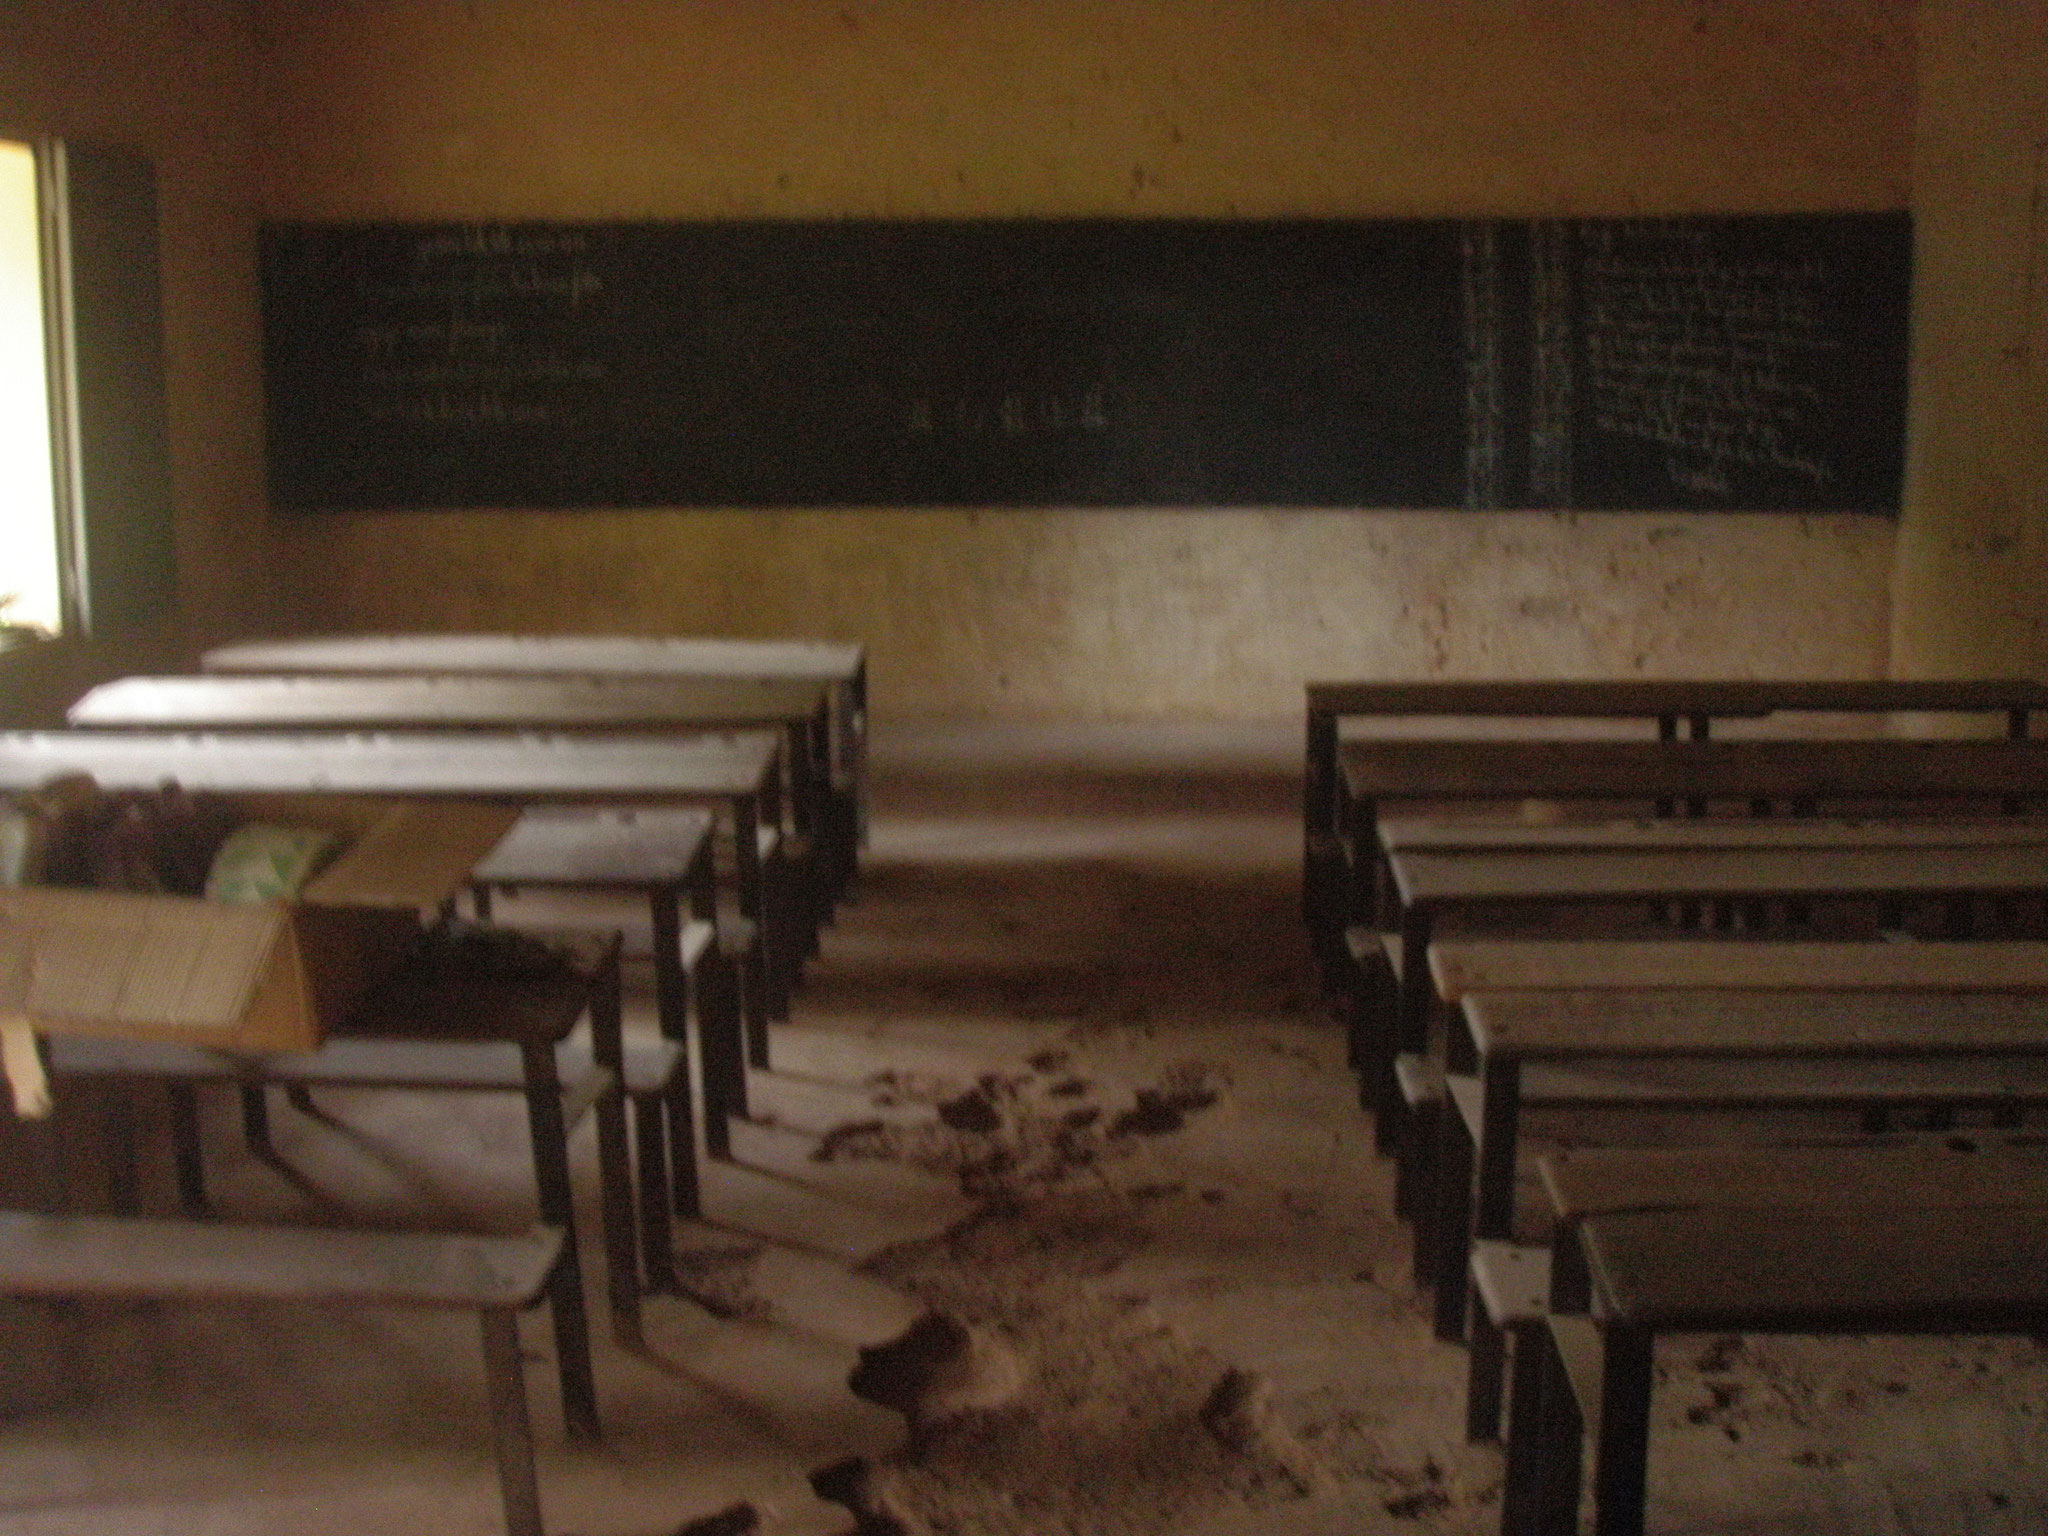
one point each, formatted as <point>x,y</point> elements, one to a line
<point>1736,363</point>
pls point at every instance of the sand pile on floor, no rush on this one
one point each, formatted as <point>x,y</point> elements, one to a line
<point>1011,1135</point>
<point>1042,1399</point>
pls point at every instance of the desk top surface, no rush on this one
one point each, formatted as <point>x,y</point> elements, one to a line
<point>820,661</point>
<point>1822,1267</point>
<point>474,984</point>
<point>615,847</point>
<point>517,767</point>
<point>1561,1024</point>
<point>1442,877</point>
<point>1877,767</point>
<point>1638,698</point>
<point>1989,965</point>
<point>1922,1171</point>
<point>1448,833</point>
<point>502,701</point>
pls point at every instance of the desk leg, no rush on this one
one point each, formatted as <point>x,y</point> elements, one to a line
<point>1493,1216</point>
<point>558,1209</point>
<point>185,1148</point>
<point>505,1381</point>
<point>672,1006</point>
<point>747,851</point>
<point>615,1175</point>
<point>1622,1458</point>
<point>1409,1031</point>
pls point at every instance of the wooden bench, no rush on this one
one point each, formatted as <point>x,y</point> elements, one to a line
<point>1697,703</point>
<point>1671,1245</point>
<point>677,707</point>
<point>738,773</point>
<point>122,1258</point>
<point>842,668</point>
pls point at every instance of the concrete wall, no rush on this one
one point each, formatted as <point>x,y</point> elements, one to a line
<point>586,109</point>
<point>1970,594</point>
<point>176,80</point>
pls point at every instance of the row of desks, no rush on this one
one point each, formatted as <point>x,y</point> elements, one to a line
<point>1341,770</point>
<point>769,735</point>
<point>1632,1010</point>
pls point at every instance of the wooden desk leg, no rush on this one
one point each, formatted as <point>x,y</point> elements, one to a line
<point>1493,1216</point>
<point>615,1175</point>
<point>1558,1448</point>
<point>721,1032</point>
<point>558,1209</point>
<point>747,850</point>
<point>1520,1480</point>
<point>511,1431</point>
<point>185,1148</point>
<point>1622,1458</point>
<point>672,1007</point>
<point>1410,1031</point>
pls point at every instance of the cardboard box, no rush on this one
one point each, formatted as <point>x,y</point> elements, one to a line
<point>271,976</point>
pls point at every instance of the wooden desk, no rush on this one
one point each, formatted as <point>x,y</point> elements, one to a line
<point>738,772</point>
<point>1805,1225</point>
<point>684,705</point>
<point>664,855</point>
<point>465,988</point>
<point>1805,1270</point>
<point>1428,883</point>
<point>1874,1046</point>
<point>841,667</point>
<point>1698,703</point>
<point>1925,775</point>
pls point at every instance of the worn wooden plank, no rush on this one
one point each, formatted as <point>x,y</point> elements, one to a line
<point>1642,770</point>
<point>514,767</point>
<point>641,847</point>
<point>815,660</point>
<point>1637,698</point>
<point>1925,1171</point>
<point>1463,833</point>
<point>1564,1025</point>
<point>123,1257</point>
<point>408,701</point>
<point>1469,965</point>
<point>1487,875</point>
<point>1821,1268</point>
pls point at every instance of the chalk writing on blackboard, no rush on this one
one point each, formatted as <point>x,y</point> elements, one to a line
<point>1737,363</point>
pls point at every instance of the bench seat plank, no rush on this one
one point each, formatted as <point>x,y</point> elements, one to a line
<point>64,1256</point>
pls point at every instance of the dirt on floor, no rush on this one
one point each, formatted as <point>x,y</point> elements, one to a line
<point>1182,1303</point>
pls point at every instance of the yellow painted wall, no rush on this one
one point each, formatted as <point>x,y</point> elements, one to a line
<point>178,81</point>
<point>1970,592</point>
<point>590,109</point>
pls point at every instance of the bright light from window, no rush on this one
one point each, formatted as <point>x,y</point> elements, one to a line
<point>28,514</point>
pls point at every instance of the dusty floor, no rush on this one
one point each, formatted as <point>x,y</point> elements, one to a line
<point>1058,1075</point>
